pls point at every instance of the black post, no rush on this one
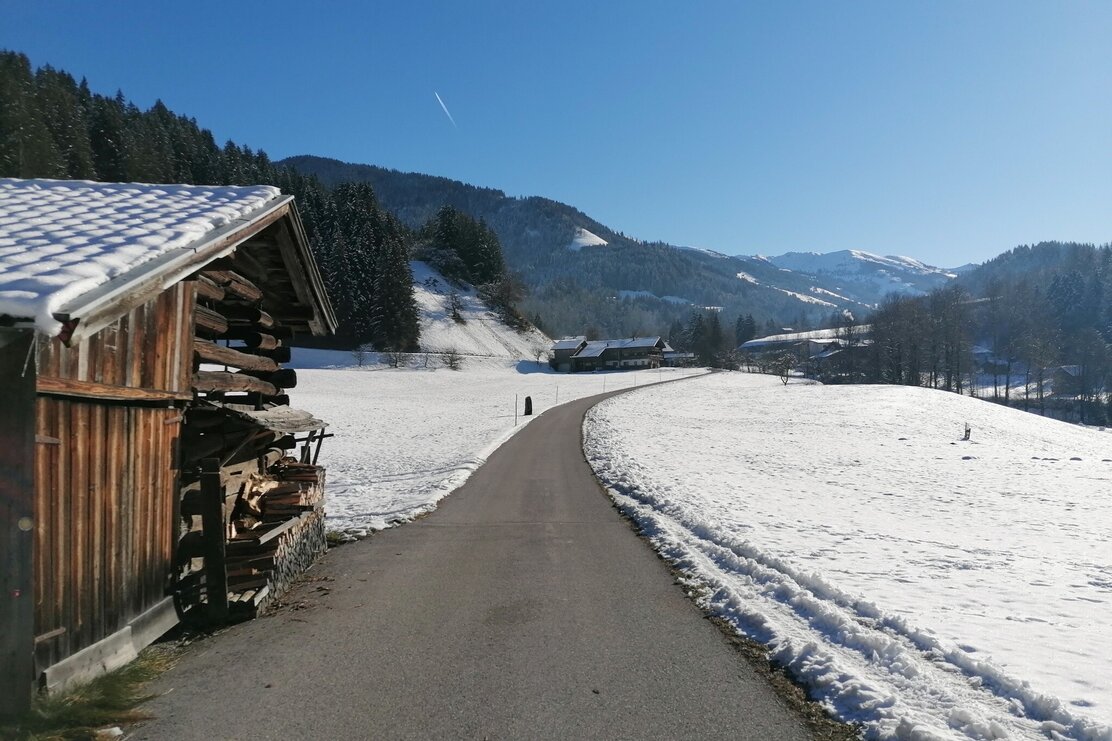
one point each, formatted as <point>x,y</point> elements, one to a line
<point>528,405</point>
<point>17,524</point>
<point>213,526</point>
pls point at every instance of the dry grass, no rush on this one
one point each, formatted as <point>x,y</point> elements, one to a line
<point>108,700</point>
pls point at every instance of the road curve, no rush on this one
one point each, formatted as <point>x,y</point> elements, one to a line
<point>524,607</point>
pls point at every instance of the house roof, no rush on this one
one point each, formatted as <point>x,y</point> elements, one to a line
<point>68,249</point>
<point>597,347</point>
<point>568,343</point>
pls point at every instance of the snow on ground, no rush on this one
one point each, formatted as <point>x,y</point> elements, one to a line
<point>748,278</point>
<point>407,437</point>
<point>584,238</point>
<point>924,586</point>
<point>805,298</point>
<point>480,333</point>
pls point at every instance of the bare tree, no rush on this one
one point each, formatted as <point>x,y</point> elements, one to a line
<point>395,358</point>
<point>455,306</point>
<point>359,354</point>
<point>452,359</point>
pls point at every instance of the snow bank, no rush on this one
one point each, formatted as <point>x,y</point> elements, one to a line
<point>60,239</point>
<point>584,238</point>
<point>923,586</point>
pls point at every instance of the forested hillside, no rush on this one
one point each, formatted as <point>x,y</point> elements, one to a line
<point>618,285</point>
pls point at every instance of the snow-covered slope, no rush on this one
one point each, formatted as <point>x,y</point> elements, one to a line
<point>925,586</point>
<point>584,238</point>
<point>847,270</point>
<point>480,333</point>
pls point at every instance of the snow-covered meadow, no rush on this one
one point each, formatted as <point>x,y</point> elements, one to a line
<point>406,437</point>
<point>922,585</point>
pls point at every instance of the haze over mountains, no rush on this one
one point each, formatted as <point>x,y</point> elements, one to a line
<point>581,273</point>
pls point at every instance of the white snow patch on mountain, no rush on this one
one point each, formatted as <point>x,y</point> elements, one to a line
<point>924,586</point>
<point>748,278</point>
<point>584,238</point>
<point>807,299</point>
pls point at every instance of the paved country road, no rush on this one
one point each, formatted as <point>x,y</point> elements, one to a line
<point>524,607</point>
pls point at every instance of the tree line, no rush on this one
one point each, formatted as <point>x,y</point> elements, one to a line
<point>52,126</point>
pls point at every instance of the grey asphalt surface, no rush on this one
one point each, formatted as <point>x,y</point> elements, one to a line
<point>524,607</point>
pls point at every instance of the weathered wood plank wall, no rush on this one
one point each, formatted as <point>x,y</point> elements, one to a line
<point>106,486</point>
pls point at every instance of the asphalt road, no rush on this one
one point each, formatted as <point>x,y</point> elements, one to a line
<point>524,607</point>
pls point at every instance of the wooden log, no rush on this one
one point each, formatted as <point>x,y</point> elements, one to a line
<point>234,284</point>
<point>253,339</point>
<point>284,378</point>
<point>208,290</point>
<point>209,323</point>
<point>240,315</point>
<point>209,352</point>
<point>222,381</point>
<point>241,263</point>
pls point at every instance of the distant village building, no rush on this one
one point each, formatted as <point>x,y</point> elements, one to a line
<point>150,464</point>
<point>577,354</point>
<point>833,354</point>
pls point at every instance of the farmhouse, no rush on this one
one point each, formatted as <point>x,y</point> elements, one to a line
<point>151,468</point>
<point>574,354</point>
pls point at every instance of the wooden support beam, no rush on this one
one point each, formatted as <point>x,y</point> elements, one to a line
<point>215,381</point>
<point>50,386</point>
<point>209,352</point>
<point>17,524</point>
<point>212,525</point>
<point>209,323</point>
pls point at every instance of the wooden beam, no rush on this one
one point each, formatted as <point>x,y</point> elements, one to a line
<point>280,354</point>
<point>50,386</point>
<point>240,314</point>
<point>213,525</point>
<point>17,525</point>
<point>234,284</point>
<point>283,378</point>
<point>209,323</point>
<point>209,352</point>
<point>208,290</point>
<point>253,339</point>
<point>212,381</point>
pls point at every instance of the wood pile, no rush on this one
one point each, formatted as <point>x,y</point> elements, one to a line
<point>259,500</point>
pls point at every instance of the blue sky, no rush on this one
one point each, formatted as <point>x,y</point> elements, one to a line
<point>947,131</point>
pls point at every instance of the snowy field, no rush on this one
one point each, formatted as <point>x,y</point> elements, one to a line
<point>921,585</point>
<point>406,437</point>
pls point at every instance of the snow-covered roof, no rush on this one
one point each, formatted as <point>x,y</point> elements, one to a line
<point>568,343</point>
<point>595,348</point>
<point>60,240</point>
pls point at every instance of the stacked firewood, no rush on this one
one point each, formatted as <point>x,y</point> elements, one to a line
<point>264,492</point>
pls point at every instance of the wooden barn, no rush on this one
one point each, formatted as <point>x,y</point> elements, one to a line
<point>151,468</point>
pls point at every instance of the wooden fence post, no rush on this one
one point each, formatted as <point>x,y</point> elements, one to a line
<point>213,525</point>
<point>17,525</point>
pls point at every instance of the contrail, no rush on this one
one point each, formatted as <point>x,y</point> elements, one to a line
<point>446,112</point>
